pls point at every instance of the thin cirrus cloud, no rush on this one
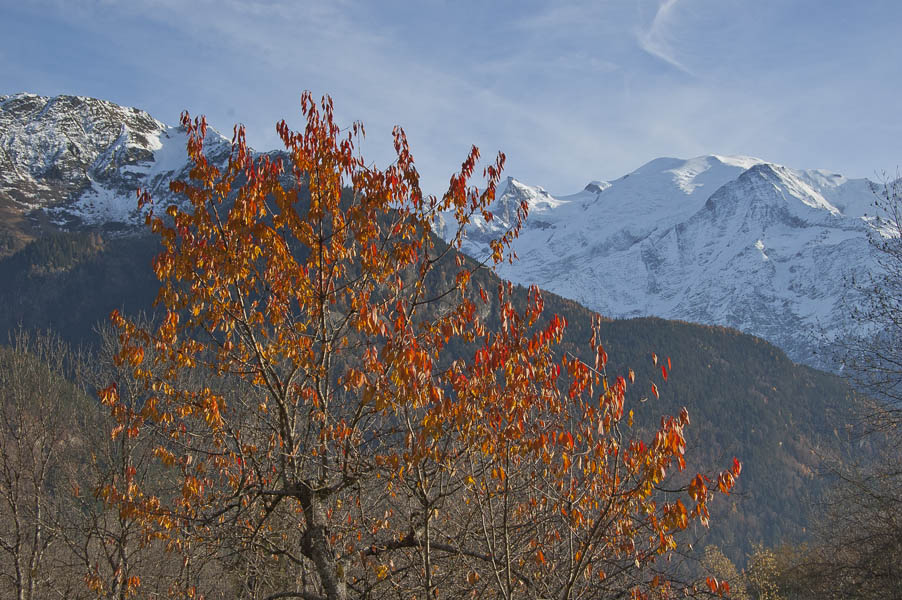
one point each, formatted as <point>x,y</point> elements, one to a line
<point>656,38</point>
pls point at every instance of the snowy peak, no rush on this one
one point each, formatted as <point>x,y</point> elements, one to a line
<point>769,192</point>
<point>726,240</point>
<point>515,193</point>
<point>788,185</point>
<point>79,161</point>
<point>702,174</point>
<point>47,137</point>
<point>662,191</point>
<point>510,195</point>
<point>696,172</point>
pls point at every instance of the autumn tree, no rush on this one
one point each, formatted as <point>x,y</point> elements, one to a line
<point>344,421</point>
<point>114,552</point>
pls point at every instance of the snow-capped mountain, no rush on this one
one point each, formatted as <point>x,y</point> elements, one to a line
<point>732,241</point>
<point>78,161</point>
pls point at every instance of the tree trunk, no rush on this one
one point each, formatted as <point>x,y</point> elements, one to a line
<point>316,545</point>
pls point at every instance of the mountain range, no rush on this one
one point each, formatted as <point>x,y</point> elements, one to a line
<point>722,240</point>
<point>718,240</point>
<point>71,162</point>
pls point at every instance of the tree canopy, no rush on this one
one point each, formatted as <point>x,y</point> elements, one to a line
<point>343,414</point>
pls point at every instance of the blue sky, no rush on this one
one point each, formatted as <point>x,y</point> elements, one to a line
<point>570,91</point>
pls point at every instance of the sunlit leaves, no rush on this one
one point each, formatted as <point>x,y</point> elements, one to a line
<point>305,356</point>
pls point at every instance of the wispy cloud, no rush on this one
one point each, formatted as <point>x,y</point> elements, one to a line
<point>656,39</point>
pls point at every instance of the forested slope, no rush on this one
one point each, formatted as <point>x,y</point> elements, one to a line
<point>745,397</point>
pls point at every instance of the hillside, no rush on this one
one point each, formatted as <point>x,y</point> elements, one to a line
<point>71,162</point>
<point>745,397</point>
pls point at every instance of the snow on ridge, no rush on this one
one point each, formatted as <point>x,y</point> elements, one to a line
<point>19,95</point>
<point>738,160</point>
<point>82,159</point>
<point>770,262</point>
<point>536,197</point>
<point>687,174</point>
<point>801,190</point>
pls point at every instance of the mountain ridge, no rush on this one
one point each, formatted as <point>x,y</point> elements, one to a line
<point>725,240</point>
<point>73,162</point>
<point>732,241</point>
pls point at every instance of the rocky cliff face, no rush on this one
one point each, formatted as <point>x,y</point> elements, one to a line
<point>72,162</point>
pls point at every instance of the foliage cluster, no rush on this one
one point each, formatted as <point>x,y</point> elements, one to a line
<point>301,386</point>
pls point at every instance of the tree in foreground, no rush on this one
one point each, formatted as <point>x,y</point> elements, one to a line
<point>343,420</point>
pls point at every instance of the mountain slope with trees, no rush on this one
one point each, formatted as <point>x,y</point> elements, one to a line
<point>746,398</point>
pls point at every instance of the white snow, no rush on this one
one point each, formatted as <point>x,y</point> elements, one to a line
<point>796,185</point>
<point>102,151</point>
<point>685,239</point>
<point>743,162</point>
